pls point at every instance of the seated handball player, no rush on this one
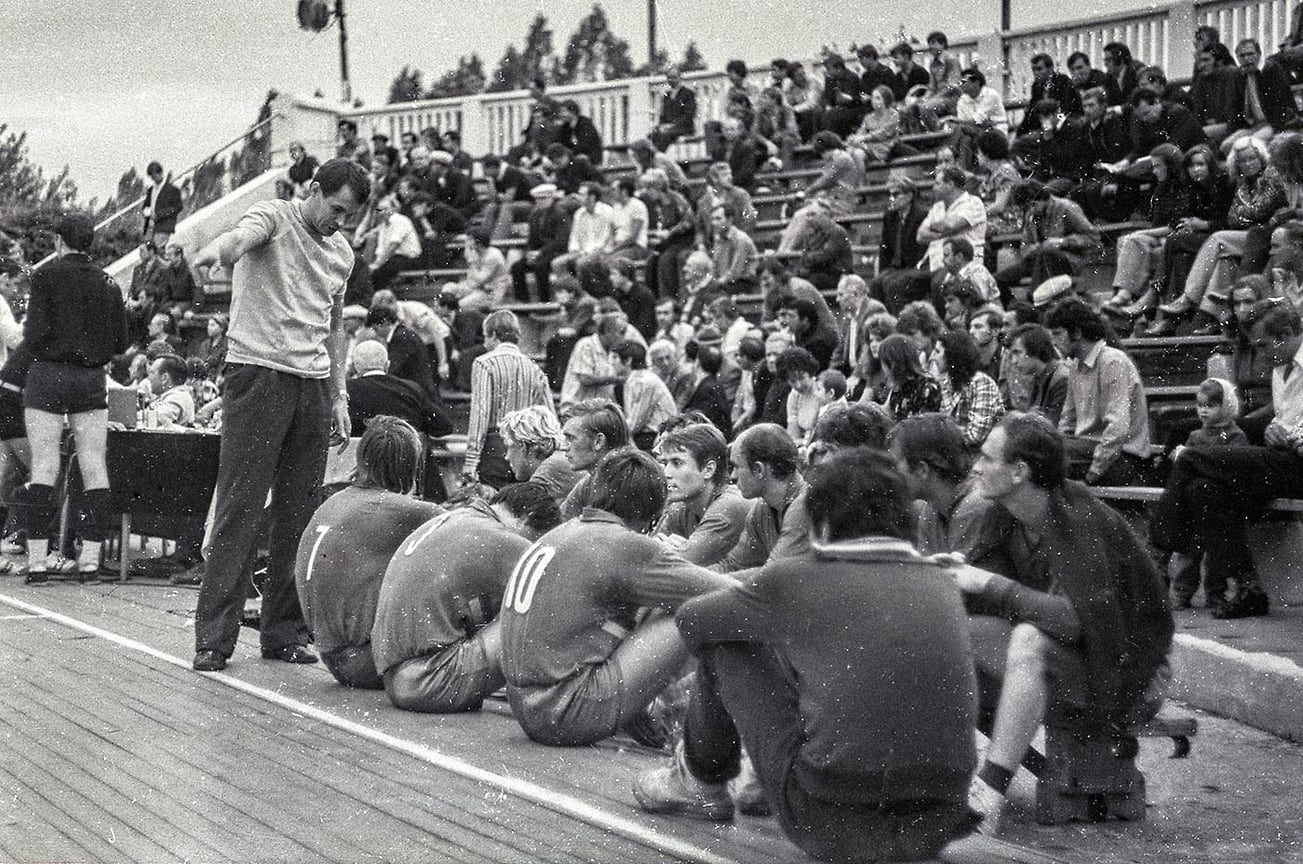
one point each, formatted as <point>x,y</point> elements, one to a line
<point>766,468</point>
<point>347,546</point>
<point>815,668</point>
<point>579,665</point>
<point>436,639</point>
<point>704,513</point>
<point>535,450</point>
<point>591,429</point>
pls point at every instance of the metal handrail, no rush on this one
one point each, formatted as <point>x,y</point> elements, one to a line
<point>113,217</point>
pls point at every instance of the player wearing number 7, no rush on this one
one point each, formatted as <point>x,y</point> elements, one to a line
<point>578,663</point>
<point>347,545</point>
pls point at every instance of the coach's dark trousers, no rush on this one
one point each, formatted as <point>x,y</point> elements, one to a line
<point>275,430</point>
<point>1211,495</point>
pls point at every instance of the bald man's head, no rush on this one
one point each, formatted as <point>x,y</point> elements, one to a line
<point>370,356</point>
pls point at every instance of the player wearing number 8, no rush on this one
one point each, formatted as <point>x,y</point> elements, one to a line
<point>578,664</point>
<point>347,545</point>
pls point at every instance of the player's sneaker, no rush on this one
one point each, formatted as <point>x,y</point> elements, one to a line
<point>749,793</point>
<point>673,790</point>
<point>985,800</point>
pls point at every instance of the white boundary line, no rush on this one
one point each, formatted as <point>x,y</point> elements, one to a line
<point>547,798</point>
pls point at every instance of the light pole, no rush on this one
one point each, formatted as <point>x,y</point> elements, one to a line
<point>651,32</point>
<point>314,16</point>
<point>343,52</point>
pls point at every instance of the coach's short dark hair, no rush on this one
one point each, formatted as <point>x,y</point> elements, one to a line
<point>338,173</point>
<point>1032,439</point>
<point>769,444</point>
<point>629,484</point>
<point>859,493</point>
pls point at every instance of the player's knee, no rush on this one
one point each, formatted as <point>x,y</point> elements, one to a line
<point>1028,648</point>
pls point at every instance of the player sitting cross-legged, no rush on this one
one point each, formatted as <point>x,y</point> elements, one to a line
<point>436,638</point>
<point>579,663</point>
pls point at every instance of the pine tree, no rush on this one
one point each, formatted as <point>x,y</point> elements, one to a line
<point>407,86</point>
<point>692,60</point>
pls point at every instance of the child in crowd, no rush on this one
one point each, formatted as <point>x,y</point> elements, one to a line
<point>830,391</point>
<point>1217,406</point>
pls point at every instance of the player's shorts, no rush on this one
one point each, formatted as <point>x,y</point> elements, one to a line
<point>583,709</point>
<point>353,667</point>
<point>62,388</point>
<point>456,678</point>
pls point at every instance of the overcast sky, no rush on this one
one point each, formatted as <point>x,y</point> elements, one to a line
<point>110,84</point>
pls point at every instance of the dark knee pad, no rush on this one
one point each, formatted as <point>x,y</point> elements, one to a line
<point>96,520</point>
<point>40,510</point>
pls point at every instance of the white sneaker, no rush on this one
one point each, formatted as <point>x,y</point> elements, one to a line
<point>673,790</point>
<point>748,793</point>
<point>986,801</point>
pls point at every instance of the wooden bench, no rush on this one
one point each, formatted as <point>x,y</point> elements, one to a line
<point>1090,774</point>
<point>1151,494</point>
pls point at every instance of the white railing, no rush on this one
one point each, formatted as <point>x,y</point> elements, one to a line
<point>625,110</point>
<point>1264,20</point>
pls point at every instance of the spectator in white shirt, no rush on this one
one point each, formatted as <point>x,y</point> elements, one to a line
<point>630,217</point>
<point>956,213</point>
<point>592,238</point>
<point>398,246</point>
<point>979,108</point>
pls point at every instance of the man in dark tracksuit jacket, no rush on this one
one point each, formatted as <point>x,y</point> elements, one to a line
<point>814,667</point>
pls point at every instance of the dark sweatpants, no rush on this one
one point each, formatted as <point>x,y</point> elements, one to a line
<point>275,430</point>
<point>746,696</point>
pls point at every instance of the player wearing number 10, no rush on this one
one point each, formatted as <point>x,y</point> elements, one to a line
<point>347,546</point>
<point>577,663</point>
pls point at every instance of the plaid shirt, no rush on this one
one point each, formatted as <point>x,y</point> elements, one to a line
<point>976,407</point>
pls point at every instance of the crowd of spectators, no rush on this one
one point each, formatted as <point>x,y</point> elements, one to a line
<point>973,342</point>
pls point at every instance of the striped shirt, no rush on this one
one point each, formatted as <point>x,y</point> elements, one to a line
<point>502,380</point>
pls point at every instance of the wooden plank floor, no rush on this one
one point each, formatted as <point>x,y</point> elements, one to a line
<point>116,751</point>
<point>121,756</point>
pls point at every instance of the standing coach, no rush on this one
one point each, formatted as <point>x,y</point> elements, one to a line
<point>284,401</point>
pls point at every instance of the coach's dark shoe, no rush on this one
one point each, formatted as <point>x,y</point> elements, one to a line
<point>674,791</point>
<point>289,654</point>
<point>209,661</point>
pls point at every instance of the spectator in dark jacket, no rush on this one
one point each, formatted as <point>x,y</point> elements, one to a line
<point>899,278</point>
<point>578,133</point>
<point>549,232</point>
<point>678,115</point>
<point>1155,122</point>
<point>801,318</point>
<point>1050,84</point>
<point>708,395</point>
<point>635,299</point>
<point>843,97</point>
<point>162,206</point>
<point>1268,103</point>
<point>826,253</point>
<point>1084,78</point>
